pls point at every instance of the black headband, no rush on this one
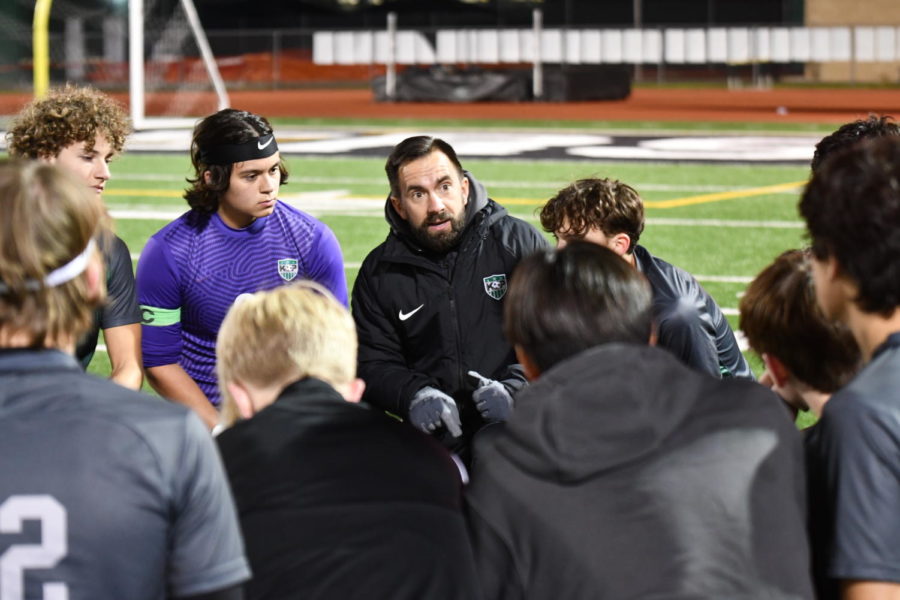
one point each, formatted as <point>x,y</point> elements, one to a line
<point>228,154</point>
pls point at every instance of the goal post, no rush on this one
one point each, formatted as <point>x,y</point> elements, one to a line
<point>41,47</point>
<point>150,63</point>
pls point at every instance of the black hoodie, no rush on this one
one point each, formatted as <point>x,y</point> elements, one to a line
<point>623,474</point>
<point>425,319</point>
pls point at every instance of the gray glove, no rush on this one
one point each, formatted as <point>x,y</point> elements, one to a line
<point>491,398</point>
<point>431,408</point>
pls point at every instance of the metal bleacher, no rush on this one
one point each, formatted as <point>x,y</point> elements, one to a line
<point>662,46</point>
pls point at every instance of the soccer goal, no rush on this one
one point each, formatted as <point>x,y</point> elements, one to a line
<point>154,53</point>
<point>173,76</point>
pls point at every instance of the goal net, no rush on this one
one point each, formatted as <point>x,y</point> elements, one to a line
<point>151,54</point>
<point>172,70</point>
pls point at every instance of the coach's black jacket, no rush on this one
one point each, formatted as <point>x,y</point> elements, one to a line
<point>426,319</point>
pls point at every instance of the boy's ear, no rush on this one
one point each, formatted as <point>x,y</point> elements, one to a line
<point>355,390</point>
<point>241,398</point>
<point>620,243</point>
<point>93,276</point>
<point>779,373</point>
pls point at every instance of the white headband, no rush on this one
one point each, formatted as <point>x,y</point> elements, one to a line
<point>63,274</point>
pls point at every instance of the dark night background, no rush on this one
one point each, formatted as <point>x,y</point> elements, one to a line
<point>315,14</point>
<point>247,26</point>
<point>450,13</point>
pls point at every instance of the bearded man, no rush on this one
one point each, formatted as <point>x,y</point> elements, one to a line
<point>428,301</point>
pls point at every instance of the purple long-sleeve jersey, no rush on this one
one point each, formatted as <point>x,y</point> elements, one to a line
<point>191,271</point>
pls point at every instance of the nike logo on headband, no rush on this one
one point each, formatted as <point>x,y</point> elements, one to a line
<point>260,145</point>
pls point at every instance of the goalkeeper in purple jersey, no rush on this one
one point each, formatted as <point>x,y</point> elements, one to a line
<point>236,239</point>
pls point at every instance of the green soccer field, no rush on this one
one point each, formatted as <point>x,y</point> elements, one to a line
<point>723,223</point>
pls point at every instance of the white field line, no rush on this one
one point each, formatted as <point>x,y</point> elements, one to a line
<point>518,184</point>
<point>359,206</point>
<point>725,223</point>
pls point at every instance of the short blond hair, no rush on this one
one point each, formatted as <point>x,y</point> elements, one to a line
<point>48,220</point>
<point>285,334</point>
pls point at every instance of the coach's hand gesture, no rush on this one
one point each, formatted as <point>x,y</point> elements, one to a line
<point>432,408</point>
<point>491,398</point>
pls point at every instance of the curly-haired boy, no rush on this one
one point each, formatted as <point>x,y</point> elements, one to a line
<point>81,129</point>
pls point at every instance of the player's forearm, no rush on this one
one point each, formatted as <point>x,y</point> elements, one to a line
<point>173,383</point>
<point>870,590</point>
<point>129,375</point>
<point>123,344</point>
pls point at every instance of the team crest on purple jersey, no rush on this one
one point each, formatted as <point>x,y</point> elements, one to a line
<point>495,286</point>
<point>287,268</point>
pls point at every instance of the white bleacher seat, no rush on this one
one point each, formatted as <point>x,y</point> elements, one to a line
<point>780,44</point>
<point>695,46</point>
<point>801,44</point>
<point>552,45</point>
<point>323,48</point>
<point>886,44</point>
<point>510,46</point>
<point>674,46</point>
<point>487,44</point>
<point>632,46</point>
<point>572,46</point>
<point>864,44</point>
<point>612,45</point>
<point>591,46</point>
<point>738,45</point>
<point>717,45</point>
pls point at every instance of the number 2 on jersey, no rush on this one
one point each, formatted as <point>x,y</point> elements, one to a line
<point>20,557</point>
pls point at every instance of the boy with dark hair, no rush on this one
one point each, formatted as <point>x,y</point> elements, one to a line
<point>105,493</point>
<point>238,238</point>
<point>848,134</point>
<point>689,322</point>
<point>81,130</point>
<point>807,357</point>
<point>852,211</point>
<point>623,473</point>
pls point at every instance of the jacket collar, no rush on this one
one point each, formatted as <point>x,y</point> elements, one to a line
<point>603,408</point>
<point>26,360</point>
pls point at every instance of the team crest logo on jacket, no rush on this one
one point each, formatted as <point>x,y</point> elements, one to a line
<point>495,286</point>
<point>287,268</point>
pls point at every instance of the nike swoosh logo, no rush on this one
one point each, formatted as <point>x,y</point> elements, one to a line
<point>260,145</point>
<point>404,316</point>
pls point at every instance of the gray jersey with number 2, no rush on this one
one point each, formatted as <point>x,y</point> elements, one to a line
<point>106,493</point>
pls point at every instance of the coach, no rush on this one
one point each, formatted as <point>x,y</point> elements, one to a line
<point>428,301</point>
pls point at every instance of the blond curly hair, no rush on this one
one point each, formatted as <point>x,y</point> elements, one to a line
<point>67,115</point>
